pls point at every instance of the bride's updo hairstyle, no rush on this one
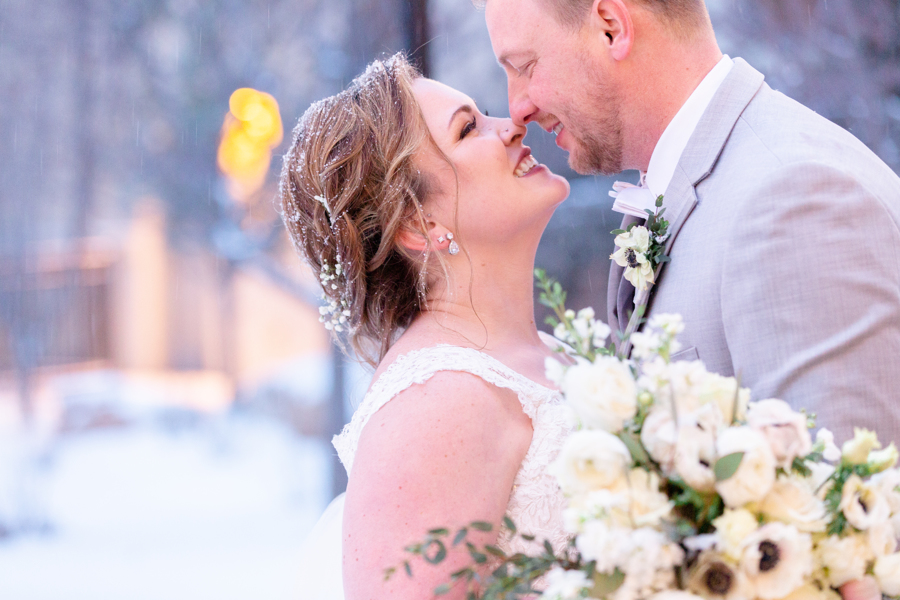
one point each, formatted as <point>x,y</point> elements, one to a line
<point>348,188</point>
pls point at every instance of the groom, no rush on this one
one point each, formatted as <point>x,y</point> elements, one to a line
<point>785,229</point>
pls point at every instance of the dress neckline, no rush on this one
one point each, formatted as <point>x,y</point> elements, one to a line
<point>500,365</point>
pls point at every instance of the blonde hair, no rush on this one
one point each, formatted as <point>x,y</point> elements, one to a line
<point>348,189</point>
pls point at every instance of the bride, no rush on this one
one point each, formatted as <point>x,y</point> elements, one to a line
<point>422,216</point>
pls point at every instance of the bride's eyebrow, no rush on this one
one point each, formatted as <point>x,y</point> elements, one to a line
<point>465,108</point>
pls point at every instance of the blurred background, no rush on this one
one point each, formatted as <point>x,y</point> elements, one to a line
<point>167,395</point>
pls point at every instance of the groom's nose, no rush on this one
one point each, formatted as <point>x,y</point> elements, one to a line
<point>521,109</point>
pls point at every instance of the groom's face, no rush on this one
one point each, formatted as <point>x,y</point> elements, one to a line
<point>558,79</point>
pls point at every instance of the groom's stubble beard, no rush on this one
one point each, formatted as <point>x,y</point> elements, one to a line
<point>599,137</point>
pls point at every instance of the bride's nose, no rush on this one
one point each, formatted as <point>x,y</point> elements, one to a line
<point>509,131</point>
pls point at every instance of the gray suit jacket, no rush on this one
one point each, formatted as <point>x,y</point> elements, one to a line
<point>785,256</point>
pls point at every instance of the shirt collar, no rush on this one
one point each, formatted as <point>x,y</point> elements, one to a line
<point>674,139</point>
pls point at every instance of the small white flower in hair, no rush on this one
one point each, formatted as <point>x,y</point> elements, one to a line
<point>324,203</point>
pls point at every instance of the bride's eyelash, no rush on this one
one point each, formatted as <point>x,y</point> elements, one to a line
<point>468,128</point>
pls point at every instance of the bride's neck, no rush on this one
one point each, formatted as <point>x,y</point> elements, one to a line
<point>488,302</point>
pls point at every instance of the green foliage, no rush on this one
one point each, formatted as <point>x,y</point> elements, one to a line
<point>728,465</point>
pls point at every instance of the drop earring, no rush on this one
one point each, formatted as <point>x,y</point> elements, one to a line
<point>454,247</point>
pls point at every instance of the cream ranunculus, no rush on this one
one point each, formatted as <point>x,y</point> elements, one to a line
<point>591,460</point>
<point>863,504</point>
<point>843,559</point>
<point>603,394</point>
<point>648,505</point>
<point>856,451</point>
<point>777,559</point>
<point>756,473</point>
<point>785,429</point>
<point>888,483</point>
<point>887,573</point>
<point>792,500</point>
<point>732,528</point>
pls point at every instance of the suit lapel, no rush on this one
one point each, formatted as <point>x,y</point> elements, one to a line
<point>696,164</point>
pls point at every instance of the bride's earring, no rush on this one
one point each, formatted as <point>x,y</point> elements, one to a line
<point>454,247</point>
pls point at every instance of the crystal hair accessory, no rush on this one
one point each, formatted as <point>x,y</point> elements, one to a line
<point>335,313</point>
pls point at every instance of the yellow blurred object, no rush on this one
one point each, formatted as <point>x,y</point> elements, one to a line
<point>251,129</point>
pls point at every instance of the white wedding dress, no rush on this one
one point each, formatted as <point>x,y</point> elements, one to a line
<point>535,503</point>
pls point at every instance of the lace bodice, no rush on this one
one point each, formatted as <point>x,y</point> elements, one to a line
<point>535,503</point>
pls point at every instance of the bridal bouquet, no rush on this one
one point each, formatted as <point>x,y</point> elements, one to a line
<point>679,487</point>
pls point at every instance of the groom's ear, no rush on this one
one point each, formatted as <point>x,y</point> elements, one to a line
<point>612,22</point>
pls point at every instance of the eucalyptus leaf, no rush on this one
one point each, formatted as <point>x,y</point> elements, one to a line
<point>442,589</point>
<point>509,524</point>
<point>638,454</point>
<point>728,465</point>
<point>439,531</point>
<point>460,535</point>
<point>439,555</point>
<point>481,526</point>
<point>607,583</point>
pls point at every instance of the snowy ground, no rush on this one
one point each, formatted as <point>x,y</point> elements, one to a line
<point>215,511</point>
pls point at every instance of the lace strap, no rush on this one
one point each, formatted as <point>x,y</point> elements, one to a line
<point>419,366</point>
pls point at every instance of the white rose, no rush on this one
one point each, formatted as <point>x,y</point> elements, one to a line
<point>603,394</point>
<point>694,457</point>
<point>785,429</point>
<point>648,506</point>
<point>591,460</point>
<point>777,559</point>
<point>565,585</point>
<point>732,528</point>
<point>756,473</point>
<point>659,436</point>
<point>843,559</point>
<point>887,573</point>
<point>856,451</point>
<point>792,500</point>
<point>863,504</point>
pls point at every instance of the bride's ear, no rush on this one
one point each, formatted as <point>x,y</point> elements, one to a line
<point>417,241</point>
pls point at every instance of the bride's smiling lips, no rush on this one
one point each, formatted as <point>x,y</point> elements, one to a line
<point>526,163</point>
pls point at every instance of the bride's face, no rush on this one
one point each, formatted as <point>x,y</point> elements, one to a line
<point>504,193</point>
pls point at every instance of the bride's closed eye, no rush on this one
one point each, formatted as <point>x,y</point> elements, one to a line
<point>468,128</point>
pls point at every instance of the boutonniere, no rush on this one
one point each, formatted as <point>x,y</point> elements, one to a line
<point>641,248</point>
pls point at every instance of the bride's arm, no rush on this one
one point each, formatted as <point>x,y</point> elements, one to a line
<point>441,454</point>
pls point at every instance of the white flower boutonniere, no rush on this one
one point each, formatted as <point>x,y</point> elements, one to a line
<point>641,248</point>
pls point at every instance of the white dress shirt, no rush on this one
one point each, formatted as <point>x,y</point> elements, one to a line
<point>672,142</point>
